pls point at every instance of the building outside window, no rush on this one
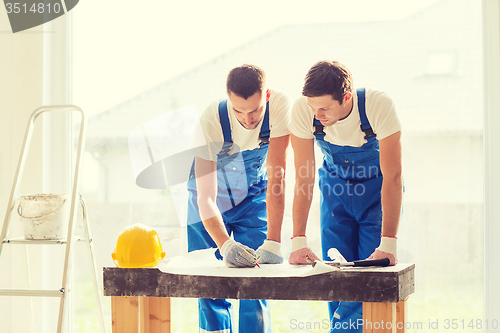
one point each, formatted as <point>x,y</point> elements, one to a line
<point>429,61</point>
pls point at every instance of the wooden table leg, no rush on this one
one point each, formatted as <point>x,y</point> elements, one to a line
<point>154,315</point>
<point>384,317</point>
<point>124,317</point>
<point>140,314</point>
<point>401,317</point>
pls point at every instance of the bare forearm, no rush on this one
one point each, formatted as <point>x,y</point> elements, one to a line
<point>206,181</point>
<point>275,200</point>
<point>301,206</point>
<point>275,207</point>
<point>213,222</point>
<point>392,197</point>
<point>304,182</point>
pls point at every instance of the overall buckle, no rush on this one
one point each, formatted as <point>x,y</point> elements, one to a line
<point>368,131</point>
<point>264,138</point>
<point>318,129</point>
<point>226,146</point>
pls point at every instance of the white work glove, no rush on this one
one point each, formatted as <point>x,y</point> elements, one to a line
<point>237,255</point>
<point>387,249</point>
<point>269,253</point>
<point>301,252</point>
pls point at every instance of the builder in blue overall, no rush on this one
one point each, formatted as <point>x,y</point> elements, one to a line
<point>241,167</point>
<point>360,179</point>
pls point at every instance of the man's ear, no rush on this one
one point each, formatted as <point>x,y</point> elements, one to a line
<point>347,97</point>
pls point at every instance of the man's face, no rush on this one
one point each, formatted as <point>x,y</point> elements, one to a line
<point>327,110</point>
<point>249,111</point>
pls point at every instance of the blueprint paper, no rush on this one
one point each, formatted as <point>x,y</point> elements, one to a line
<point>204,262</point>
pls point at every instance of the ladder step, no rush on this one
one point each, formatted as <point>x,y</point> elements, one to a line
<point>32,292</point>
<point>22,240</point>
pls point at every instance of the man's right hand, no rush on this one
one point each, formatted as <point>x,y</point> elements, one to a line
<point>237,255</point>
<point>301,252</point>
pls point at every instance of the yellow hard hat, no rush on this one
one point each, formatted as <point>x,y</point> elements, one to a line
<point>138,246</point>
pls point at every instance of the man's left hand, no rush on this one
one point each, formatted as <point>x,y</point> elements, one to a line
<point>270,253</point>
<point>386,249</point>
<point>301,253</point>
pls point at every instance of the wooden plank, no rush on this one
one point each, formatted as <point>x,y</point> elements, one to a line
<point>384,317</point>
<point>379,317</point>
<point>401,316</point>
<point>367,316</point>
<point>140,314</point>
<point>143,313</point>
<point>390,284</point>
<point>124,318</point>
<point>159,310</point>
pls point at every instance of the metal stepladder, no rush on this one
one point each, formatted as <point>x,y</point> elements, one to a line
<point>68,241</point>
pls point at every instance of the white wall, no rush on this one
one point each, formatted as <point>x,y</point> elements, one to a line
<point>20,93</point>
<point>33,72</point>
<point>491,16</point>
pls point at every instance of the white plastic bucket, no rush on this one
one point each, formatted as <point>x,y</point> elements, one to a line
<point>44,216</point>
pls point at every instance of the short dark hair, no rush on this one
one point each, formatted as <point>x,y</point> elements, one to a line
<point>245,81</point>
<point>328,78</point>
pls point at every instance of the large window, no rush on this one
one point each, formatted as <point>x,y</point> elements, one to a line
<point>134,62</point>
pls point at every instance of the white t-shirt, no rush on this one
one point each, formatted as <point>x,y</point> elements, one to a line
<point>243,139</point>
<point>380,111</point>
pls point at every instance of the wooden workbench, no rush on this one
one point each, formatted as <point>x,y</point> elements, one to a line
<point>141,296</point>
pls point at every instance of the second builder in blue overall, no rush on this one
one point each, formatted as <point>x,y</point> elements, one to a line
<point>241,167</point>
<point>360,179</point>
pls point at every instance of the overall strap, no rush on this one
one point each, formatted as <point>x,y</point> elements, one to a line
<point>226,129</point>
<point>228,143</point>
<point>265,133</point>
<point>365,124</point>
<point>318,129</point>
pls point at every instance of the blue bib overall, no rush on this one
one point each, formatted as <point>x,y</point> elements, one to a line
<point>241,198</point>
<point>350,184</point>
